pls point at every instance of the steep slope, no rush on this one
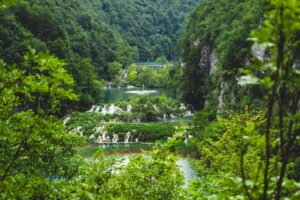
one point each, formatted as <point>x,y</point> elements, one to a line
<point>214,47</point>
<point>89,34</point>
<point>152,26</point>
<point>72,32</point>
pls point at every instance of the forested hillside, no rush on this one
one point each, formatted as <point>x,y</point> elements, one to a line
<point>214,47</point>
<point>240,68</point>
<point>214,114</point>
<point>89,35</point>
<point>86,43</point>
<point>152,26</point>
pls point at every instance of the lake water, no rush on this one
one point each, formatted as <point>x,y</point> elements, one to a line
<point>112,95</point>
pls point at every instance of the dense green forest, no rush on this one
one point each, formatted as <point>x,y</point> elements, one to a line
<point>89,35</point>
<point>214,47</point>
<point>151,26</point>
<point>227,126</point>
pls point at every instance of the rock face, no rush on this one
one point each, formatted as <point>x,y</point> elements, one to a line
<point>205,61</point>
<point>209,61</point>
<point>205,68</point>
<point>221,96</point>
<point>225,90</point>
<point>213,59</point>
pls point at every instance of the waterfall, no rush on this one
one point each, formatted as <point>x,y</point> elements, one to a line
<point>107,139</point>
<point>97,109</point>
<point>182,107</point>
<point>92,109</point>
<point>187,137</point>
<point>172,116</point>
<point>104,136</point>
<point>129,108</point>
<point>92,137</point>
<point>99,129</point>
<point>115,138</point>
<point>221,96</point>
<point>186,140</point>
<point>78,130</point>
<point>165,117</point>
<point>99,139</point>
<point>112,109</point>
<point>127,136</point>
<point>188,114</point>
<point>66,120</point>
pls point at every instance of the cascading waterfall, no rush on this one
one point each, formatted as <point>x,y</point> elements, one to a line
<point>165,117</point>
<point>92,108</point>
<point>187,137</point>
<point>92,137</point>
<point>129,108</point>
<point>113,109</point>
<point>97,109</point>
<point>127,137</point>
<point>115,138</point>
<point>103,138</point>
<point>188,114</point>
<point>110,109</point>
<point>78,130</point>
<point>66,120</point>
<point>172,116</point>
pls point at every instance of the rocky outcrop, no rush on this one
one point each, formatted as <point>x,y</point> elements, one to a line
<point>221,96</point>
<point>213,59</point>
<point>205,62</point>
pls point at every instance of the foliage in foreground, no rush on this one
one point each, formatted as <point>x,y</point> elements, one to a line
<point>35,149</point>
<point>213,47</point>
<point>262,162</point>
<point>38,162</point>
<point>153,176</point>
<point>38,159</point>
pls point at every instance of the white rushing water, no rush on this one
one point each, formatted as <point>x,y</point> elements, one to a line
<point>141,92</point>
